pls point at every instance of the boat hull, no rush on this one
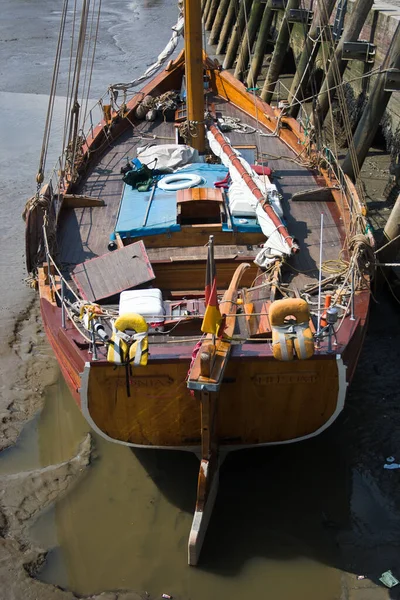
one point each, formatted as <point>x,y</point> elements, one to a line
<point>261,402</point>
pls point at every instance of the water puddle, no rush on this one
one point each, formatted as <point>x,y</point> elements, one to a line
<point>126,523</point>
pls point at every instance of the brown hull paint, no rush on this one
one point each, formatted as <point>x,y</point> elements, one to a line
<point>70,359</point>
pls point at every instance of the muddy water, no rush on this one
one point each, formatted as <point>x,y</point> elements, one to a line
<point>126,524</point>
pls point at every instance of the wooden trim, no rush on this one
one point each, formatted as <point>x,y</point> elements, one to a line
<point>78,201</point>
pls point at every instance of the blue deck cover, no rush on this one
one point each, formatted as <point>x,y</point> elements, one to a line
<point>162,214</point>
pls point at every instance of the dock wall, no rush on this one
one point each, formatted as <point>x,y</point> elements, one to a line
<point>241,26</point>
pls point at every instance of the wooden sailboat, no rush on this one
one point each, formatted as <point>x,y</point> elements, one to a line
<point>121,274</point>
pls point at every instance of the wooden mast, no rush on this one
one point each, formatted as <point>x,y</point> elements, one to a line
<point>194,74</point>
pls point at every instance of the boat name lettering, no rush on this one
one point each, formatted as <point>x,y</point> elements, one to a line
<point>151,381</point>
<point>285,378</point>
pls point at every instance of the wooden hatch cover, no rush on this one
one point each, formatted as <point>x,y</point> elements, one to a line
<point>111,273</point>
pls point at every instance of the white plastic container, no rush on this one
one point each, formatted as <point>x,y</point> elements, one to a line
<point>148,303</point>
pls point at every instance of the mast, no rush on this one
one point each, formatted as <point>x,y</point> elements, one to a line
<point>194,74</point>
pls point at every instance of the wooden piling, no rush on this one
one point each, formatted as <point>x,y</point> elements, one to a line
<point>237,34</point>
<point>211,15</point>
<point>338,65</point>
<point>227,26</point>
<point>309,54</point>
<point>374,109</point>
<point>218,22</point>
<point>206,11</point>
<point>279,54</point>
<point>390,234</point>
<point>253,23</point>
<point>261,45</point>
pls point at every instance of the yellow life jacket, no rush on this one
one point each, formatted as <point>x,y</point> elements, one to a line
<point>290,338</point>
<point>129,348</point>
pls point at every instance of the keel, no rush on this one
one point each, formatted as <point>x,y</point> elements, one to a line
<point>207,488</point>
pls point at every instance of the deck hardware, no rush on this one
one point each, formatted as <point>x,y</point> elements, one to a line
<point>62,303</point>
<point>146,216</point>
<point>353,299</point>
<point>331,319</point>
<point>93,336</point>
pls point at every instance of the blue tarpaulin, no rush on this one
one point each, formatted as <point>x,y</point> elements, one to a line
<point>162,214</point>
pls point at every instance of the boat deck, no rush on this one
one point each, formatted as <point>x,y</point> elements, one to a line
<point>83,233</point>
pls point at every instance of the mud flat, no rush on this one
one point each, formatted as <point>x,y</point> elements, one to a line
<point>28,369</point>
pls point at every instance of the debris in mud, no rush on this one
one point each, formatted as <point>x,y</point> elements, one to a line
<point>390,463</point>
<point>388,579</point>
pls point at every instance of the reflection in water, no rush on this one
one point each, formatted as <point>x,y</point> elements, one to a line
<point>126,524</point>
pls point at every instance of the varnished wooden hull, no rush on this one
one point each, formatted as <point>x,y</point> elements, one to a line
<point>256,400</point>
<point>261,402</point>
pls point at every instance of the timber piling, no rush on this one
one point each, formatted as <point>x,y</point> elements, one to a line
<point>308,56</point>
<point>374,109</point>
<point>218,22</point>
<point>237,33</point>
<point>366,41</point>
<point>206,10</point>
<point>261,45</point>
<point>391,235</point>
<point>337,63</point>
<point>227,26</point>
<point>253,23</point>
<point>279,54</point>
<point>211,14</point>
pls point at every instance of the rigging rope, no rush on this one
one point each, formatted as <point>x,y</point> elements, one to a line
<point>69,94</point>
<point>92,60</point>
<point>50,108</point>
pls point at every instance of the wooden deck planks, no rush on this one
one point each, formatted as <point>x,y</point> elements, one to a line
<point>303,218</point>
<point>84,232</point>
<point>110,274</point>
